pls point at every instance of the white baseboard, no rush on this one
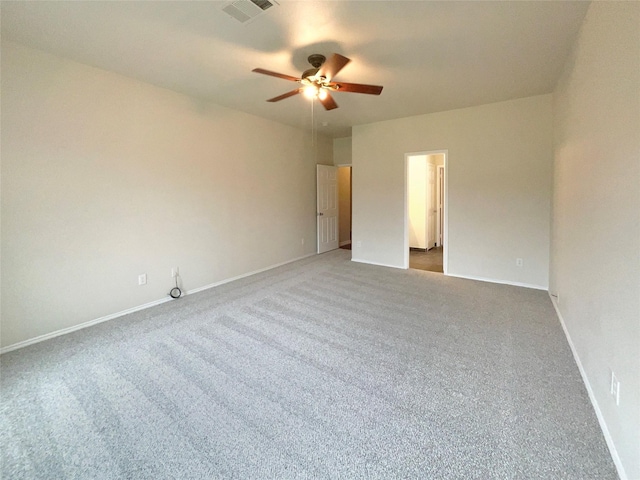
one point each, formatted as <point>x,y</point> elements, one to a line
<point>238,277</point>
<point>90,323</point>
<point>346,242</point>
<point>603,424</point>
<point>74,328</point>
<point>502,282</point>
<point>480,279</point>
<point>374,263</point>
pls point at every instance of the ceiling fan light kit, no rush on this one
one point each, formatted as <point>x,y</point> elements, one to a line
<point>317,81</point>
<point>313,91</point>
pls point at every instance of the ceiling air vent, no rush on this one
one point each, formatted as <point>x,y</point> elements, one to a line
<point>246,10</point>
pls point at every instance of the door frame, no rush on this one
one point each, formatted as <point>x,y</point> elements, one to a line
<point>431,192</point>
<point>440,176</point>
<point>445,244</point>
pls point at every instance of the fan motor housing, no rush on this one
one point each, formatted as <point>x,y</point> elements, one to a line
<point>316,60</point>
<point>309,73</point>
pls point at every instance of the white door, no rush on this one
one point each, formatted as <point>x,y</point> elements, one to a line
<point>327,206</point>
<point>431,206</point>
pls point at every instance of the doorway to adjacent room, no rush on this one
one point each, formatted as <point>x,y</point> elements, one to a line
<point>425,211</point>
<point>344,206</point>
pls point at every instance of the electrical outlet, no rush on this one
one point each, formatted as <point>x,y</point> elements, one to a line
<point>359,244</point>
<point>614,388</point>
<point>175,271</point>
<point>302,241</point>
<point>142,279</point>
<point>519,262</point>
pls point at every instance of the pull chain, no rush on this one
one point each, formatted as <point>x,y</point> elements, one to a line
<point>313,123</point>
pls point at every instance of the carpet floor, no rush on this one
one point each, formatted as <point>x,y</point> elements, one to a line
<point>323,368</point>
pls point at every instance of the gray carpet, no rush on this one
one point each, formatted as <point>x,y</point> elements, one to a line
<point>319,369</point>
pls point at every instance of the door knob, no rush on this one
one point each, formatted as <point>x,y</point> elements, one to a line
<point>320,214</point>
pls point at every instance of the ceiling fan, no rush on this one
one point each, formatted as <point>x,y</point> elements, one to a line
<point>317,81</point>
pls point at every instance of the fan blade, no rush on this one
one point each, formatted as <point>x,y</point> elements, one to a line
<point>357,88</point>
<point>331,67</point>
<point>275,74</point>
<point>328,103</point>
<point>285,95</point>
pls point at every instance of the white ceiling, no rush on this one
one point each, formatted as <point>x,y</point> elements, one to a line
<point>430,56</point>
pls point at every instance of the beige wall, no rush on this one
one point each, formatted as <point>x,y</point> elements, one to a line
<point>596,222</point>
<point>105,178</point>
<point>342,151</point>
<point>499,176</point>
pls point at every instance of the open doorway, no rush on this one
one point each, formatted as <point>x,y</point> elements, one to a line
<point>344,206</point>
<point>425,213</point>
